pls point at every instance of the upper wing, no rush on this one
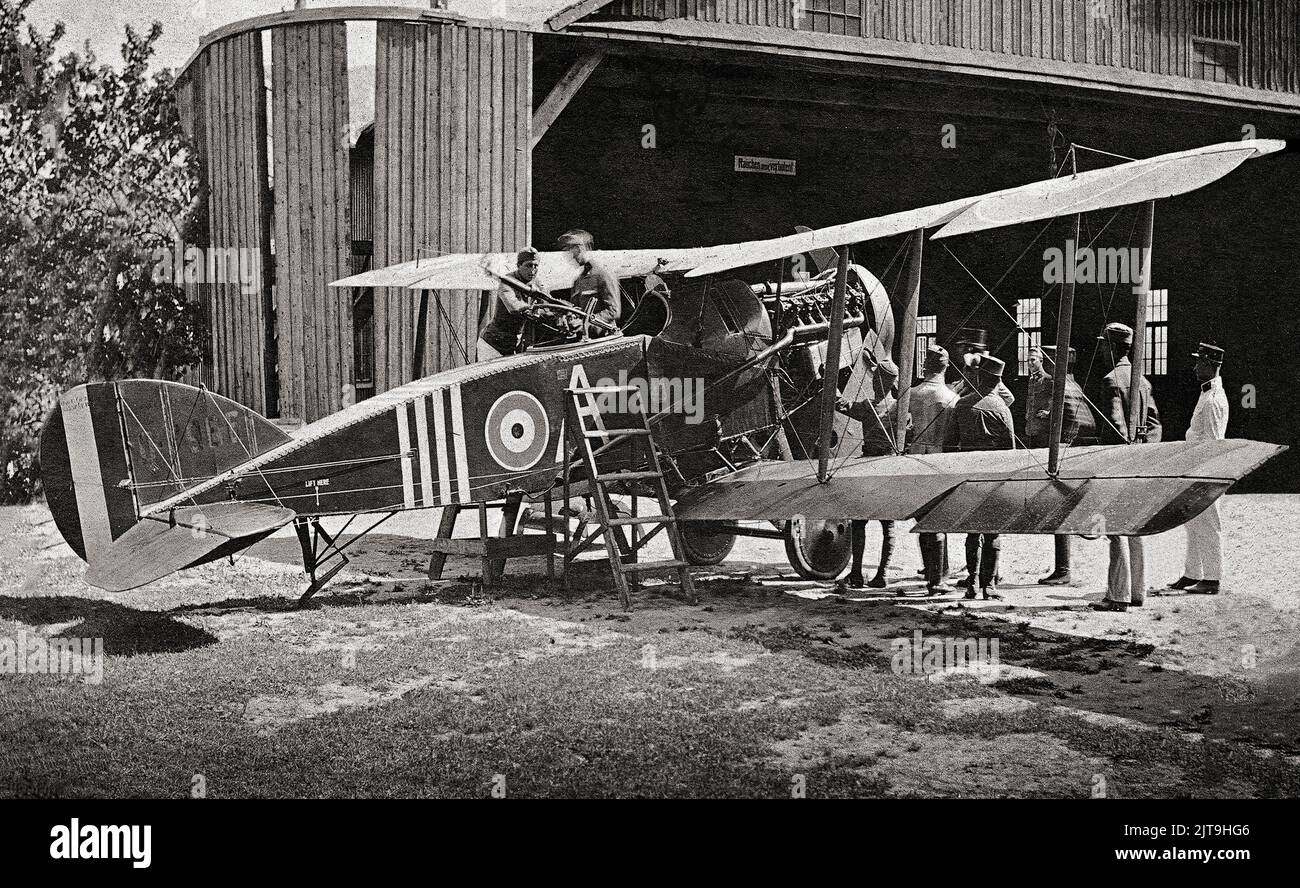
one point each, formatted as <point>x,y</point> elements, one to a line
<point>1126,183</point>
<point>1121,489</point>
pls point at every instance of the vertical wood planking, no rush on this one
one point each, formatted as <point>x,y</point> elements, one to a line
<point>453,106</point>
<point>310,138</point>
<point>232,92</point>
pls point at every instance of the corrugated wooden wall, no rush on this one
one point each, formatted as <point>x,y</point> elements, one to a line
<point>233,92</point>
<point>1152,36</point>
<point>309,100</point>
<point>452,173</point>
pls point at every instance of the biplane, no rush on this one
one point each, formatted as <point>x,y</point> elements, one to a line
<point>147,477</point>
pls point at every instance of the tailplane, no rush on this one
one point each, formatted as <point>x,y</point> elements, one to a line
<point>111,449</point>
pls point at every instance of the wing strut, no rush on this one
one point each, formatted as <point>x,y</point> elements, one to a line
<point>1138,355</point>
<point>907,346</point>
<point>831,369</point>
<point>1061,371</point>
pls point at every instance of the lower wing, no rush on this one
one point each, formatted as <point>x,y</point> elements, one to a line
<point>1121,489</point>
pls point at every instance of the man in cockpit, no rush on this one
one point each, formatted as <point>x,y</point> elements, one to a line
<point>596,288</point>
<point>503,331</point>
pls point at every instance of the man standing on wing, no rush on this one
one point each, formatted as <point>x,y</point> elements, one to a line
<point>982,421</point>
<point>1203,565</point>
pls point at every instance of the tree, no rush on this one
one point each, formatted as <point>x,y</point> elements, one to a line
<point>98,177</point>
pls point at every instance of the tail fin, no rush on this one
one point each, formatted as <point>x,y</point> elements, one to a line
<point>110,449</point>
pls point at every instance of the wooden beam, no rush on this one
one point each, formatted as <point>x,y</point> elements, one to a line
<point>573,12</point>
<point>562,93</point>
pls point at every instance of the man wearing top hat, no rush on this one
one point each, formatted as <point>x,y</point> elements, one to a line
<point>930,407</point>
<point>877,415</point>
<point>972,344</point>
<point>1203,565</point>
<point>1076,426</point>
<point>504,327</point>
<point>1126,576</point>
<point>982,421</point>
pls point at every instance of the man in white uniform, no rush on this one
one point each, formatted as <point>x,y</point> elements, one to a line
<point>1204,563</point>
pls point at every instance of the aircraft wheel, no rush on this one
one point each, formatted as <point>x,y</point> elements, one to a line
<point>703,545</point>
<point>818,549</point>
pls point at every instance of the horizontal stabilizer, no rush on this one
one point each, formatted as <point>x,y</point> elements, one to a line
<point>1119,489</point>
<point>178,538</point>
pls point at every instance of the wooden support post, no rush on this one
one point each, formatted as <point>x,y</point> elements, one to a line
<point>509,518</point>
<point>1146,227</point>
<point>446,525</point>
<point>421,333</point>
<point>831,370</point>
<point>562,93</point>
<point>485,561</point>
<point>907,350</point>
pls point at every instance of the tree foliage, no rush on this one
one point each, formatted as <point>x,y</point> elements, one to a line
<point>95,177</point>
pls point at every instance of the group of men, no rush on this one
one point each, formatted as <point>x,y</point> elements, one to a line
<point>519,300</point>
<point>973,412</point>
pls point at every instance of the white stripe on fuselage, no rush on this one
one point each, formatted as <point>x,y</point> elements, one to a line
<point>458,441</point>
<point>422,438</point>
<point>440,442</point>
<point>404,451</point>
<point>87,480</point>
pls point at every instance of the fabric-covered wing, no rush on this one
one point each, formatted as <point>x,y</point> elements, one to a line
<point>556,270</point>
<point>1126,183</point>
<point>1138,181</point>
<point>1119,489</point>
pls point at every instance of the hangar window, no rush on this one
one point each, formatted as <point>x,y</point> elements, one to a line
<point>1155,362</point>
<point>830,16</point>
<point>926,327</point>
<point>1216,60</point>
<point>1029,323</point>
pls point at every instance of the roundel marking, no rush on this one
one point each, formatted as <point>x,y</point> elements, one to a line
<point>517,431</point>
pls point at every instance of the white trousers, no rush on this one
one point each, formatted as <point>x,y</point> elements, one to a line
<point>1126,579</point>
<point>1205,546</point>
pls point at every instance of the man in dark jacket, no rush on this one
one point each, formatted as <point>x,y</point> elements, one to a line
<point>596,287</point>
<point>1077,425</point>
<point>982,421</point>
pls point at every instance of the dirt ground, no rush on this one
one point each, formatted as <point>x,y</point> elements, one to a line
<point>767,686</point>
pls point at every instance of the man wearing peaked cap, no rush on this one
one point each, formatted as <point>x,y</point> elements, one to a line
<point>930,405</point>
<point>1126,575</point>
<point>1076,425</point>
<point>1203,564</point>
<point>503,326</point>
<point>982,421</point>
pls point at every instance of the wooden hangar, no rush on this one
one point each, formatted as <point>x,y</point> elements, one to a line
<point>685,123</point>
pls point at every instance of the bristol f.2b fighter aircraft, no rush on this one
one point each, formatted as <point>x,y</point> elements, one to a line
<point>145,477</point>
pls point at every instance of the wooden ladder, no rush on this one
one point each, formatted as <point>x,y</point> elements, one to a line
<point>592,441</point>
